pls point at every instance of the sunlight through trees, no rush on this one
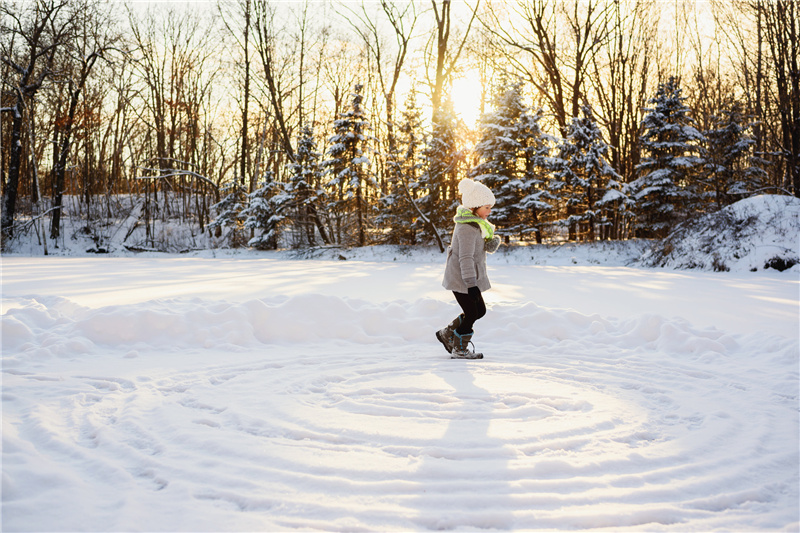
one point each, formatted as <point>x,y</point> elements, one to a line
<point>255,123</point>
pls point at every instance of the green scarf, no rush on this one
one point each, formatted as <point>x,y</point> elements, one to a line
<point>465,216</point>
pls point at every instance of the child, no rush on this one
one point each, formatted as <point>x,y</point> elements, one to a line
<point>465,272</point>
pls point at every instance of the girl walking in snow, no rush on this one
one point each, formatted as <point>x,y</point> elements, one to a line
<point>465,271</point>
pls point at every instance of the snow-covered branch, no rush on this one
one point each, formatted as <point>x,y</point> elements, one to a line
<point>173,173</point>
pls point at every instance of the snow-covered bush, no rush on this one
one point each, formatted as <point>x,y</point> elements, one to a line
<point>753,234</point>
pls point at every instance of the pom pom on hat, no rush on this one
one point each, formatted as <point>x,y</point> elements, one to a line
<point>474,194</point>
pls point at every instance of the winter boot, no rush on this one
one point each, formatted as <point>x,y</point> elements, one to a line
<point>447,335</point>
<point>461,347</point>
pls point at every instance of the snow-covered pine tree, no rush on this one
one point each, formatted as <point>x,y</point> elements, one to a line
<point>265,211</point>
<point>346,165</point>
<point>398,210</point>
<point>439,180</point>
<point>582,176</point>
<point>536,197</point>
<point>666,189</point>
<point>731,169</point>
<point>305,177</point>
<point>513,161</point>
<point>617,211</point>
<point>498,151</point>
<point>229,213</point>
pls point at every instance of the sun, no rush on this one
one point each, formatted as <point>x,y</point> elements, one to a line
<point>466,96</point>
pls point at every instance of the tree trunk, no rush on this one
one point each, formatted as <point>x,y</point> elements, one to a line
<point>12,185</point>
<point>66,140</point>
<point>245,148</point>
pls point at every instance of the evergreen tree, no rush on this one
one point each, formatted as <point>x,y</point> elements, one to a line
<point>582,176</point>
<point>398,208</point>
<point>537,198</point>
<point>667,189</point>
<point>731,169</point>
<point>499,151</point>
<point>305,177</point>
<point>439,180</point>
<point>229,212</point>
<point>346,163</point>
<point>266,210</point>
<point>513,161</point>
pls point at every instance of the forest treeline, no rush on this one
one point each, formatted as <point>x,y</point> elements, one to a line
<point>272,124</point>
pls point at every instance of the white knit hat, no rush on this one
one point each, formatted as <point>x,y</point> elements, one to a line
<point>474,194</point>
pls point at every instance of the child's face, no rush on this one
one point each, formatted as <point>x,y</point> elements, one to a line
<point>483,211</point>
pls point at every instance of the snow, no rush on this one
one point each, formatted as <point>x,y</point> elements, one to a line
<point>750,235</point>
<point>235,390</point>
<point>266,391</point>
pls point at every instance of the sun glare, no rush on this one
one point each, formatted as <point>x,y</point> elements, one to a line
<point>466,96</point>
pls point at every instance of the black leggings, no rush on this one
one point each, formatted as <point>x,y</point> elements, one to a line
<point>473,307</point>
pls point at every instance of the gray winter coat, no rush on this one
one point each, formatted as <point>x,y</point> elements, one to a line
<point>466,260</point>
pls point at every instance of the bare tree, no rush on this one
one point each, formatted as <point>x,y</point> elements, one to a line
<point>558,41</point>
<point>620,76</point>
<point>274,63</point>
<point>782,25</point>
<point>402,19</point>
<point>32,36</point>
<point>95,38</point>
<point>445,55</point>
<point>340,71</point>
<point>237,18</point>
<point>174,58</point>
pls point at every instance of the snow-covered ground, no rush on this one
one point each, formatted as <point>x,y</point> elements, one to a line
<point>263,392</point>
<point>229,390</point>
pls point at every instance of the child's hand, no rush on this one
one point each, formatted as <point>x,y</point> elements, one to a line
<point>492,245</point>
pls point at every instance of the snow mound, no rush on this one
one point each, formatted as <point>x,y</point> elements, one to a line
<point>758,233</point>
<point>42,328</point>
<point>607,253</point>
